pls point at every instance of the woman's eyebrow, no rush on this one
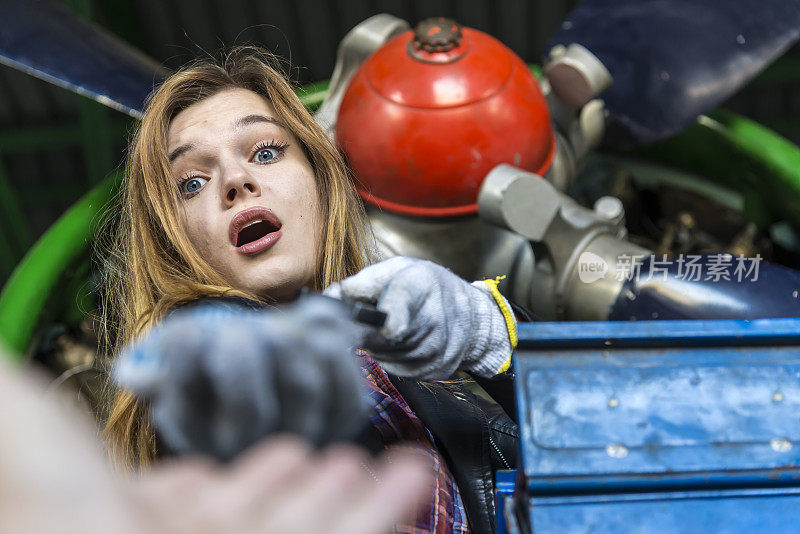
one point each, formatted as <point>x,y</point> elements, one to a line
<point>179,151</point>
<point>253,119</point>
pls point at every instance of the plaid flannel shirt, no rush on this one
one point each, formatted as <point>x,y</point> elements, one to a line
<point>395,421</point>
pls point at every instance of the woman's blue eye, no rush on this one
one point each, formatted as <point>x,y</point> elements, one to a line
<point>266,154</point>
<point>193,185</point>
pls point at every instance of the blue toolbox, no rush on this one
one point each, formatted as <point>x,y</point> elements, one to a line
<point>656,426</point>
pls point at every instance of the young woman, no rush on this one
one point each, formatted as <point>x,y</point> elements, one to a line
<point>234,191</point>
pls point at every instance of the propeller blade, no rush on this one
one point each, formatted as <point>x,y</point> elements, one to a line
<point>673,60</point>
<point>46,40</point>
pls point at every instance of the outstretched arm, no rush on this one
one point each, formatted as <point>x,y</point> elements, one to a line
<point>54,478</point>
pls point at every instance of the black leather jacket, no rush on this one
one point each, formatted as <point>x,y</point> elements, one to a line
<point>475,436</point>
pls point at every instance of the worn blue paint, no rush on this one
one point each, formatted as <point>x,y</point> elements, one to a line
<point>43,39</point>
<point>672,61</point>
<point>504,493</point>
<point>662,426</point>
<point>732,511</point>
<point>619,334</point>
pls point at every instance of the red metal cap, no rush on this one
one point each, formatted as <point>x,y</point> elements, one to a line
<point>426,118</point>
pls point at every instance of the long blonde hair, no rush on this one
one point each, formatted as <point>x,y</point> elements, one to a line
<point>151,266</point>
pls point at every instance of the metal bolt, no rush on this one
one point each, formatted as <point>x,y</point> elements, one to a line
<point>613,402</point>
<point>558,50</point>
<point>617,450</point>
<point>777,396</point>
<point>777,444</point>
<point>609,208</point>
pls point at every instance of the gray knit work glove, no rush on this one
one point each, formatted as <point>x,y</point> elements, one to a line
<point>219,379</point>
<point>437,323</point>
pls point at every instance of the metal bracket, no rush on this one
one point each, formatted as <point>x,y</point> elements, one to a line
<point>355,48</point>
<point>563,234</point>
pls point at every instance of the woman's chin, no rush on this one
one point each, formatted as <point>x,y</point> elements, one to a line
<point>275,289</point>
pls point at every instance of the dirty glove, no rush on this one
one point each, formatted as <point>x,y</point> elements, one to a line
<point>437,323</point>
<point>220,379</point>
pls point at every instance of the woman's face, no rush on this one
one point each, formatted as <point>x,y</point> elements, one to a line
<point>250,203</point>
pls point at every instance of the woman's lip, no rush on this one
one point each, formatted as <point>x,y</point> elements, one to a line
<point>259,245</point>
<point>245,217</point>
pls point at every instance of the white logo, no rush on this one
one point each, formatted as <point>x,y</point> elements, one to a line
<point>591,267</point>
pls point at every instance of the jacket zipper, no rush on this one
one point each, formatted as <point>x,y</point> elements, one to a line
<point>500,454</point>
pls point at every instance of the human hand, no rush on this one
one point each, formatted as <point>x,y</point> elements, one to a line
<point>53,473</point>
<point>218,380</point>
<point>282,486</point>
<point>437,323</point>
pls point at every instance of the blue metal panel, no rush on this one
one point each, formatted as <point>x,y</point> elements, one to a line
<point>610,334</point>
<point>667,426</point>
<point>663,415</point>
<point>717,512</point>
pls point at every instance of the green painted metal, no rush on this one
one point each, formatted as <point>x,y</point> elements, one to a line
<point>730,149</point>
<point>787,126</point>
<point>26,292</point>
<point>313,95</point>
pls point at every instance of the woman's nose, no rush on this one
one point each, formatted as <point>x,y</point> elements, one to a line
<point>237,184</point>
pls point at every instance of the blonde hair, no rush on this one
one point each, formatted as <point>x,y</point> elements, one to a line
<point>151,266</point>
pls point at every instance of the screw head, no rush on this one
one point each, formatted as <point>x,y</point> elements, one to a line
<point>617,450</point>
<point>780,444</point>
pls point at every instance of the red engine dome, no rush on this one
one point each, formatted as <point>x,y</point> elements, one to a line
<point>428,115</point>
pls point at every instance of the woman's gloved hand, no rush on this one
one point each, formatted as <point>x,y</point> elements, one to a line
<point>219,379</point>
<point>437,323</point>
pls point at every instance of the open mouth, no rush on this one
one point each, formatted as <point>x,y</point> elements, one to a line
<point>255,231</point>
